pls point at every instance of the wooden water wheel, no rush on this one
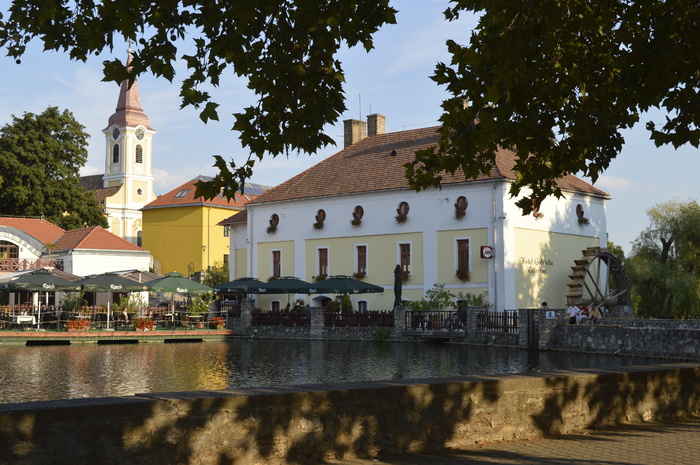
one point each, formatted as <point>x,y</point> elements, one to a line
<point>598,280</point>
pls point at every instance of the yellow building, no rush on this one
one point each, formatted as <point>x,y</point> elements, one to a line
<point>182,231</point>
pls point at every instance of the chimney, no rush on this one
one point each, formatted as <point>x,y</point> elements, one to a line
<point>355,131</point>
<point>376,124</point>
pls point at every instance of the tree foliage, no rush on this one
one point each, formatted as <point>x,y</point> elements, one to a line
<point>40,157</point>
<point>558,81</point>
<point>285,48</point>
<point>217,274</point>
<point>664,268</point>
<point>436,298</point>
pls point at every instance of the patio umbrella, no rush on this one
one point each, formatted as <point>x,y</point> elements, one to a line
<point>289,285</point>
<point>110,282</point>
<point>245,285</point>
<point>175,283</point>
<point>39,281</point>
<point>344,285</point>
<point>179,285</point>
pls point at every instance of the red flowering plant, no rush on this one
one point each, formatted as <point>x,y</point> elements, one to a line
<point>218,322</point>
<point>78,323</point>
<point>144,324</point>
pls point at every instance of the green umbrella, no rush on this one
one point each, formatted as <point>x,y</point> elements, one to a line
<point>178,284</point>
<point>344,285</point>
<point>242,286</point>
<point>175,274</point>
<point>289,285</point>
<point>110,282</point>
<point>39,281</point>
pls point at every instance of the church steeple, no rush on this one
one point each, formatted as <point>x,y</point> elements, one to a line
<point>128,161</point>
<point>129,111</point>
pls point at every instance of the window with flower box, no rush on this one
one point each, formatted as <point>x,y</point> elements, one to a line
<point>405,257</point>
<point>276,263</point>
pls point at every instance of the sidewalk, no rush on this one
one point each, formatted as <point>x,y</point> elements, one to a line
<point>658,443</point>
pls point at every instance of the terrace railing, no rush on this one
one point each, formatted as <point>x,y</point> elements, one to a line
<point>497,322</point>
<point>22,264</point>
<point>369,319</point>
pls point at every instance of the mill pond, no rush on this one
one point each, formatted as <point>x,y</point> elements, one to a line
<point>88,370</point>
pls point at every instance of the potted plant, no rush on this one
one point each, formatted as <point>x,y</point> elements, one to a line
<point>218,322</point>
<point>78,324</point>
<point>144,324</point>
<point>359,275</point>
<point>199,306</point>
<point>355,222</point>
<point>319,278</point>
<point>463,275</point>
<point>405,276</point>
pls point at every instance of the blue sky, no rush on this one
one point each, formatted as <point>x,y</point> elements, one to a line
<point>393,80</point>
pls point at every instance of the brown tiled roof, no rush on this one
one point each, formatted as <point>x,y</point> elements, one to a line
<point>376,163</point>
<point>238,218</point>
<point>42,230</point>
<point>95,237</point>
<point>94,184</point>
<point>184,196</point>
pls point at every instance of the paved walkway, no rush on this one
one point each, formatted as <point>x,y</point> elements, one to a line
<point>659,443</point>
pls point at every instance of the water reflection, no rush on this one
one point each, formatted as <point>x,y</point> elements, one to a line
<point>61,372</point>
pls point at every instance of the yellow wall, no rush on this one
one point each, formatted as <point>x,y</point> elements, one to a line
<point>240,259</point>
<point>543,265</point>
<point>264,265</point>
<point>447,252</point>
<point>382,256</point>
<point>175,236</point>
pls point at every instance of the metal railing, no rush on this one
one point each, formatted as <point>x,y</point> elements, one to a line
<point>497,322</point>
<point>281,317</point>
<point>56,318</point>
<point>434,320</point>
<point>368,319</point>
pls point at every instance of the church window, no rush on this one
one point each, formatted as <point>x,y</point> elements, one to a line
<point>139,238</point>
<point>139,154</point>
<point>115,153</point>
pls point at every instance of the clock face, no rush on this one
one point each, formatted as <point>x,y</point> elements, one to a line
<point>115,133</point>
<point>139,134</point>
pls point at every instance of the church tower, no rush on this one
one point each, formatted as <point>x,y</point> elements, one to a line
<point>128,160</point>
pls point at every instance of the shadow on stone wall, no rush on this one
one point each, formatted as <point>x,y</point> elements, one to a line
<point>307,424</point>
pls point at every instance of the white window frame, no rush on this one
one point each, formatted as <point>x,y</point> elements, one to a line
<point>398,255</point>
<point>318,259</point>
<point>355,257</point>
<point>272,262</point>
<point>455,255</point>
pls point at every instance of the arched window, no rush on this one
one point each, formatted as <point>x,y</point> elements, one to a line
<point>115,153</point>
<point>139,154</point>
<point>139,239</point>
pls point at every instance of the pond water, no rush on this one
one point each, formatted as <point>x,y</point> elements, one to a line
<point>78,371</point>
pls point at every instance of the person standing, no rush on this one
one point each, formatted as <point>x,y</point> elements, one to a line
<point>573,311</point>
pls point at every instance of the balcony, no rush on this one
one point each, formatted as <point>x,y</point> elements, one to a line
<point>8,265</point>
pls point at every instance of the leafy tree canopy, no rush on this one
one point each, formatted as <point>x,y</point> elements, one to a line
<point>557,81</point>
<point>664,268</point>
<point>40,157</point>
<point>285,48</point>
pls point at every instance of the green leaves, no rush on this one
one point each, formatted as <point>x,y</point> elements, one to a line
<point>559,81</point>
<point>40,158</point>
<point>285,48</point>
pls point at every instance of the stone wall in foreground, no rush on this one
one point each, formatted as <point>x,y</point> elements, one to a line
<point>306,424</point>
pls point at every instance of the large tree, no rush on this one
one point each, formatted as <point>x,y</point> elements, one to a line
<point>40,156</point>
<point>558,81</point>
<point>555,80</point>
<point>664,268</point>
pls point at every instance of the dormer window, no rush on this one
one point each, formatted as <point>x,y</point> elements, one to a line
<point>182,193</point>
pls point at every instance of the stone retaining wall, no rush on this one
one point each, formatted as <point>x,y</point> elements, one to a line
<point>306,424</point>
